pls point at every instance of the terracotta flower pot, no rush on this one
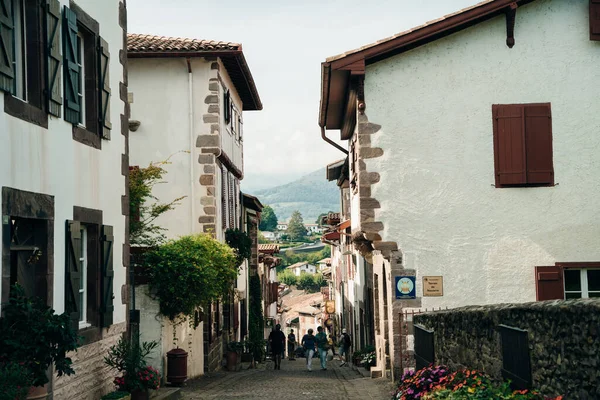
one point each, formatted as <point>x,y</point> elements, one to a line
<point>38,393</point>
<point>232,360</point>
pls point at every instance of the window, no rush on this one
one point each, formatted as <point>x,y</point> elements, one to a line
<point>523,145</point>
<point>568,281</point>
<point>86,78</point>
<point>582,283</point>
<point>22,59</point>
<point>83,265</point>
<point>594,19</point>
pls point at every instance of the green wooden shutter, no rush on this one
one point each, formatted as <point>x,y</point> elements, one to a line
<point>107,307</point>
<point>54,88</point>
<point>71,69</point>
<point>103,68</point>
<point>7,73</point>
<point>73,271</point>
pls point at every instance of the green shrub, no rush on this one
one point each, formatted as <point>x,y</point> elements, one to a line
<point>15,381</point>
<point>287,277</point>
<point>306,282</point>
<point>115,395</point>
<point>189,273</point>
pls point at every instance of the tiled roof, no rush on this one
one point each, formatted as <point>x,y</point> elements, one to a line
<point>268,248</point>
<point>161,44</point>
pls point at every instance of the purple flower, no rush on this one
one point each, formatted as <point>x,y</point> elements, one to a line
<point>409,391</point>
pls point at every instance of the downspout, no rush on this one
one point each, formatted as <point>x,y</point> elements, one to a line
<point>331,142</point>
<point>192,144</point>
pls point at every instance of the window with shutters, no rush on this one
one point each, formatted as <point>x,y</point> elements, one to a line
<point>594,19</point>
<point>568,281</point>
<point>86,77</point>
<point>22,59</point>
<point>223,197</point>
<point>523,145</point>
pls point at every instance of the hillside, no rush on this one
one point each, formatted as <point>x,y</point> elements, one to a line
<point>311,195</point>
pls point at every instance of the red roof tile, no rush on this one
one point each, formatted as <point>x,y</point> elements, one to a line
<point>153,43</point>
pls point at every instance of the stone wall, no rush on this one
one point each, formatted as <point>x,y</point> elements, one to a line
<point>564,342</point>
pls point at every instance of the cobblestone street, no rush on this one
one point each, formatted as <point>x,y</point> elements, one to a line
<point>293,381</point>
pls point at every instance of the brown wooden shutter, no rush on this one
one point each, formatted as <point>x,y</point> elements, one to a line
<point>54,87</point>
<point>549,283</point>
<point>7,72</point>
<point>106,306</point>
<point>243,319</point>
<point>230,200</point>
<point>227,106</point>
<point>236,315</point>
<point>594,19</point>
<point>103,69</point>
<point>224,197</point>
<point>538,144</point>
<point>509,145</point>
<point>73,271</point>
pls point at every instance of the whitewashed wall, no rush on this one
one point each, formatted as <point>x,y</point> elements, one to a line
<point>437,172</point>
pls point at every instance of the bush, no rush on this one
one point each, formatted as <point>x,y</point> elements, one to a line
<point>15,381</point>
<point>305,281</point>
<point>129,358</point>
<point>287,277</point>
<point>190,273</point>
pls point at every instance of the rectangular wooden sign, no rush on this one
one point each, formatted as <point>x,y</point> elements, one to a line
<point>433,286</point>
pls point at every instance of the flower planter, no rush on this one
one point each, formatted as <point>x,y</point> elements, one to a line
<point>38,393</point>
<point>140,395</point>
<point>232,360</point>
<point>177,367</point>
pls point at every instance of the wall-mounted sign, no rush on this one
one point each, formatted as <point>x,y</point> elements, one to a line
<point>405,288</point>
<point>330,306</point>
<point>329,322</point>
<point>433,286</point>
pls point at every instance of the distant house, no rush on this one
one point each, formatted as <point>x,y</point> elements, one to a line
<point>313,228</point>
<point>301,267</point>
<point>308,318</point>
<point>324,263</point>
<point>282,226</point>
<point>272,236</point>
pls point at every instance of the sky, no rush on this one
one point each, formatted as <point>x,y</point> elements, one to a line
<point>284,43</point>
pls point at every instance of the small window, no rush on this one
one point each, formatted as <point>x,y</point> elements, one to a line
<point>81,83</point>
<point>582,283</point>
<point>523,145</point>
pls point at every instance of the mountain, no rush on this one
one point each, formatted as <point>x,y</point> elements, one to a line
<point>311,194</point>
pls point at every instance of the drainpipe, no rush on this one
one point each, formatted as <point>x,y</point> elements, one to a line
<point>192,144</point>
<point>331,142</point>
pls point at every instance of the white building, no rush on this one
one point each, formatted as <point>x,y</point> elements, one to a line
<point>324,263</point>
<point>63,167</point>
<point>187,96</point>
<point>473,156</point>
<point>313,228</point>
<point>282,226</point>
<point>302,267</point>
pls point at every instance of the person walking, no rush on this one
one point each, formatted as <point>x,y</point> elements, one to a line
<point>346,343</point>
<point>332,344</point>
<point>322,347</point>
<point>291,345</point>
<point>277,342</point>
<point>308,342</point>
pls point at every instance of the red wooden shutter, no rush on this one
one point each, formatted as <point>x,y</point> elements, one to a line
<point>509,145</point>
<point>549,283</point>
<point>538,144</point>
<point>594,19</point>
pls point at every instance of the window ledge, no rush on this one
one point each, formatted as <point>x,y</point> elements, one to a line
<point>86,137</point>
<point>90,334</point>
<point>25,111</point>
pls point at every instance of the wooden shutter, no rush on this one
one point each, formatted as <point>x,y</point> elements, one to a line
<point>236,315</point>
<point>71,69</point>
<point>594,19</point>
<point>106,305</point>
<point>538,144</point>
<point>549,283</point>
<point>103,69</point>
<point>243,319</point>
<point>226,107</point>
<point>230,200</point>
<point>223,197</point>
<point>54,88</point>
<point>509,145</point>
<point>73,271</point>
<point>7,73</point>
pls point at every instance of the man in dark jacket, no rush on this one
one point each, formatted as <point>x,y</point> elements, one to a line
<point>277,342</point>
<point>346,343</point>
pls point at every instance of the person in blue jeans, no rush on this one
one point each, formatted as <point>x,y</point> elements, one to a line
<point>308,342</point>
<point>322,347</point>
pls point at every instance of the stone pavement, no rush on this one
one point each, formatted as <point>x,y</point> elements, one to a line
<point>293,381</point>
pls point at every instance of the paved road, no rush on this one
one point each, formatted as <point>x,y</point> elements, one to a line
<point>292,382</point>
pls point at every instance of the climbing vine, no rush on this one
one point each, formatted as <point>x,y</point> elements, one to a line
<point>240,242</point>
<point>256,322</point>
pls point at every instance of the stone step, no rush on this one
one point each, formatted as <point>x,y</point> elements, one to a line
<point>166,393</point>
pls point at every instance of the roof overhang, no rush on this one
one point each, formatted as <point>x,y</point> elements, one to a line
<point>233,61</point>
<point>251,202</point>
<point>337,72</point>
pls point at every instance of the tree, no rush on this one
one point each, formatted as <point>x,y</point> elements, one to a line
<point>296,229</point>
<point>268,219</point>
<point>287,277</point>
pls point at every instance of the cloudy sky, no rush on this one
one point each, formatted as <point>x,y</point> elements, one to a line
<point>284,43</point>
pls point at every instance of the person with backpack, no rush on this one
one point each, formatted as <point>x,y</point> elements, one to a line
<point>291,346</point>
<point>308,342</point>
<point>346,343</point>
<point>322,347</point>
<point>277,341</point>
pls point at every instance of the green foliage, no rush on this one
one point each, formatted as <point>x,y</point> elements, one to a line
<point>32,335</point>
<point>129,358</point>
<point>287,277</point>
<point>306,281</point>
<point>240,242</point>
<point>289,257</point>
<point>268,219</point>
<point>115,395</point>
<point>255,342</point>
<point>15,381</point>
<point>262,239</point>
<point>189,273</point>
<point>144,207</point>
<point>296,229</point>
<point>237,347</point>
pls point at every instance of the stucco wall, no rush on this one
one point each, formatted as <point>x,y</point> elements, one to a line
<point>436,190</point>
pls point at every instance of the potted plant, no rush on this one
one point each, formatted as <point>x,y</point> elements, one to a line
<point>234,351</point>
<point>368,360</point>
<point>34,337</point>
<point>15,381</point>
<point>129,358</point>
<point>356,357</point>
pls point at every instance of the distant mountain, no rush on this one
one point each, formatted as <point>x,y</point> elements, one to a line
<point>311,195</point>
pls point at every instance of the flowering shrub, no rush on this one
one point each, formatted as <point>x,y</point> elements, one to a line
<point>145,379</point>
<point>369,359</point>
<point>437,383</point>
<point>15,381</point>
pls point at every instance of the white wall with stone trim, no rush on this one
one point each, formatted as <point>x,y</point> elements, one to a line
<point>437,194</point>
